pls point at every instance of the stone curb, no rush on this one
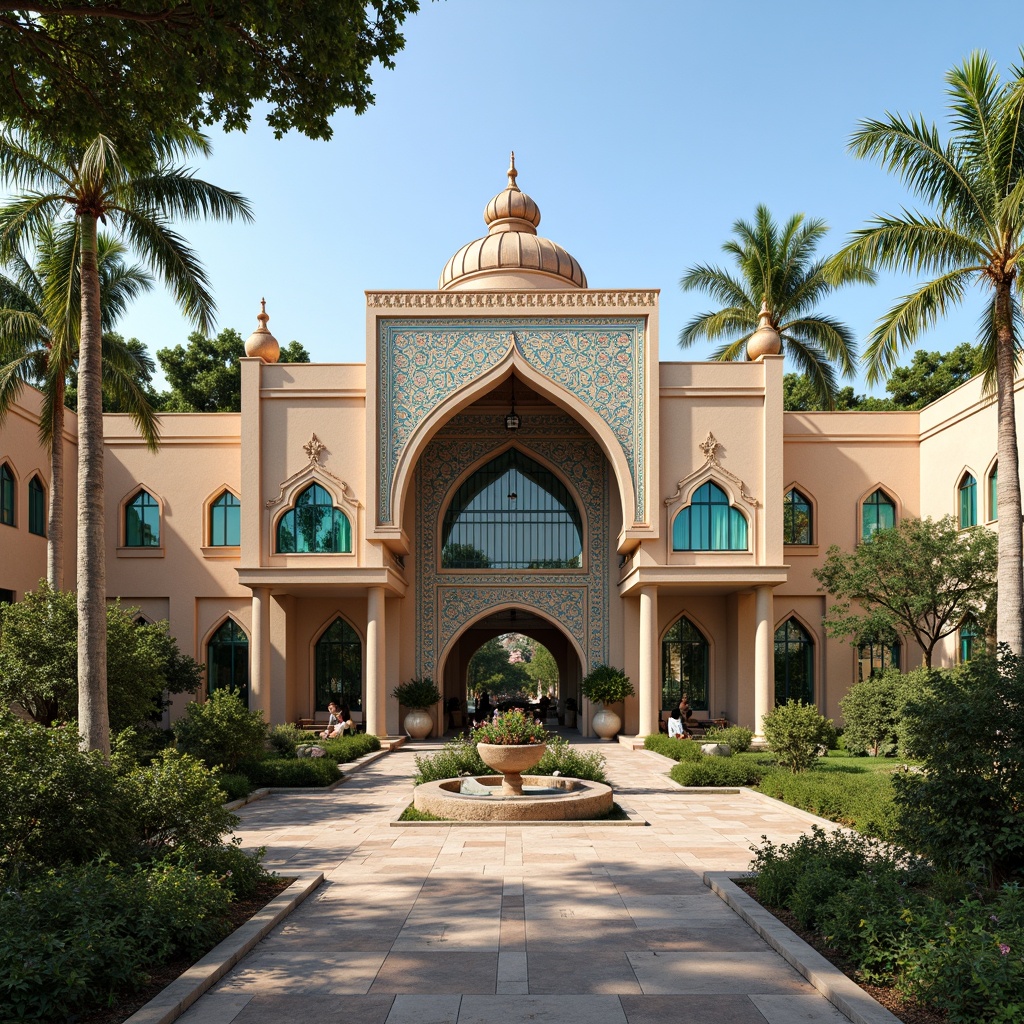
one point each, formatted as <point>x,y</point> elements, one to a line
<point>633,821</point>
<point>845,995</point>
<point>176,998</point>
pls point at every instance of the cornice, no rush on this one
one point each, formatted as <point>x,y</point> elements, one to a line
<point>559,299</point>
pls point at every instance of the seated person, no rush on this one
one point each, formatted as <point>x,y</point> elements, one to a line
<point>339,720</point>
<point>675,725</point>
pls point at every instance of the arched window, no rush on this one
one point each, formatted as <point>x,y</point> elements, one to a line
<point>36,507</point>
<point>142,522</point>
<point>6,495</point>
<point>797,519</point>
<point>226,521</point>
<point>684,666</point>
<point>874,659</point>
<point>339,667</point>
<point>877,513</point>
<point>709,523</point>
<point>794,663</point>
<point>227,660</point>
<point>313,524</point>
<point>993,493</point>
<point>512,513</point>
<point>968,491</point>
<point>970,638</point>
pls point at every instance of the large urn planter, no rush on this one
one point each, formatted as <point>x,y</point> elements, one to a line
<point>606,724</point>
<point>418,724</point>
<point>511,760</point>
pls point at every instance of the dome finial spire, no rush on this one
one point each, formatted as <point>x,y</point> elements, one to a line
<point>512,172</point>
<point>261,342</point>
<point>263,316</point>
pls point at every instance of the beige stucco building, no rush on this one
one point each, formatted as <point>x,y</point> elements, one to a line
<point>513,456</point>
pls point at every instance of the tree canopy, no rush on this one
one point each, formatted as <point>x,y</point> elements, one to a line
<point>920,580</point>
<point>126,68</point>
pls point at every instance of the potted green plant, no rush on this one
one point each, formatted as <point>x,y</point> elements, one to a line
<point>606,685</point>
<point>417,695</point>
<point>511,743</point>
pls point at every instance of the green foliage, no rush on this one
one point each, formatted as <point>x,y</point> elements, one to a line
<point>283,739</point>
<point>510,728</point>
<point>311,771</point>
<point>236,870</point>
<point>965,809</point>
<point>348,748</point>
<point>718,771</point>
<point>39,660</point>
<point>738,738</point>
<point>542,668</point>
<point>463,556</point>
<point>455,759</point>
<point>411,814</point>
<point>222,731</point>
<point>607,685</point>
<point>919,579</point>
<point>417,693</point>
<point>490,669</point>
<point>235,785</point>
<point>873,710</point>
<point>571,762</point>
<point>678,750</point>
<point>795,732</point>
<point>91,69</point>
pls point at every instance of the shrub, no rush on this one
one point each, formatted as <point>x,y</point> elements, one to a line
<point>235,786</point>
<point>456,758</point>
<point>735,735</point>
<point>794,732</point>
<point>314,771</point>
<point>510,728</point>
<point>718,771</point>
<point>873,710</point>
<point>417,693</point>
<point>678,750</point>
<point>235,870</point>
<point>348,748</point>
<point>562,757</point>
<point>222,731</point>
<point>283,739</point>
<point>607,685</point>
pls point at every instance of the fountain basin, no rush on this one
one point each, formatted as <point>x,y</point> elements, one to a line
<point>546,798</point>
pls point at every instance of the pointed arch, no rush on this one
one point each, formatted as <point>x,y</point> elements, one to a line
<point>337,661</point>
<point>796,650</point>
<point>313,524</point>
<point>222,518</point>
<point>708,519</point>
<point>871,513</point>
<point>226,647</point>
<point>8,494</point>
<point>967,499</point>
<point>991,490</point>
<point>686,656</point>
<point>141,522</point>
<point>799,515</point>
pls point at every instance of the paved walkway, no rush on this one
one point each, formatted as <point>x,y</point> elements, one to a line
<point>501,925</point>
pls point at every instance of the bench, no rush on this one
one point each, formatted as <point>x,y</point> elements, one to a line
<point>319,722</point>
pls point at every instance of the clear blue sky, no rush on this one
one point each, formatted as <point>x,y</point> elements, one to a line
<point>642,129</point>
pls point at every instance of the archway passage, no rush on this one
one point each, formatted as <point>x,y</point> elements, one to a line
<point>460,688</point>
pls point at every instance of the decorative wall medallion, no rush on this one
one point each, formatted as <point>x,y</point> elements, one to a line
<point>709,446</point>
<point>313,448</point>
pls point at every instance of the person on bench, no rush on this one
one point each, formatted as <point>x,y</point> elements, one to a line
<point>675,725</point>
<point>339,721</point>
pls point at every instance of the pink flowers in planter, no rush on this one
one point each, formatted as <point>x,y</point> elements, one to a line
<point>511,729</point>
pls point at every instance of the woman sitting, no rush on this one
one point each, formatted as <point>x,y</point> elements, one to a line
<point>338,722</point>
<point>675,725</point>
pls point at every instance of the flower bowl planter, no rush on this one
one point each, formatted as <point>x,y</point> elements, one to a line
<point>418,723</point>
<point>606,724</point>
<point>511,760</point>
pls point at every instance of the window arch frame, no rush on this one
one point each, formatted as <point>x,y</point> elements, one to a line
<point>812,507</point>
<point>736,515</point>
<point>811,658</point>
<point>8,495</point>
<point>144,550</point>
<point>695,704</point>
<point>992,491</point>
<point>37,506</point>
<point>865,500</point>
<point>490,457</point>
<point>314,662</point>
<point>887,655</point>
<point>209,548</point>
<point>967,499</point>
<point>208,642</point>
<point>293,505</point>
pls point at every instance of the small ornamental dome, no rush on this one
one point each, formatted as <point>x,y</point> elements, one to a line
<point>765,341</point>
<point>261,342</point>
<point>511,254</point>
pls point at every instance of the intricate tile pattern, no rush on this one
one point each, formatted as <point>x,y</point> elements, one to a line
<point>599,360</point>
<point>576,599</point>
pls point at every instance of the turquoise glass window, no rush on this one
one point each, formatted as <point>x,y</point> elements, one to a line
<point>970,639</point>
<point>874,659</point>
<point>709,523</point>
<point>339,667</point>
<point>142,522</point>
<point>877,513</point>
<point>227,660</point>
<point>313,524</point>
<point>794,663</point>
<point>797,519</point>
<point>684,666</point>
<point>6,495</point>
<point>226,521</point>
<point>968,492</point>
<point>993,492</point>
<point>36,507</point>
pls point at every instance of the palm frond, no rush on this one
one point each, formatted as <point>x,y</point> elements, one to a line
<point>717,324</point>
<point>25,217</point>
<point>813,363</point>
<point>825,334</point>
<point>988,340</point>
<point>914,244</point>
<point>175,192</point>
<point>733,350</point>
<point>719,284</point>
<point>121,372</point>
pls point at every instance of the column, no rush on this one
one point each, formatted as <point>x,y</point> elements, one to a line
<point>648,685</point>
<point>259,653</point>
<point>763,661</point>
<point>376,684</point>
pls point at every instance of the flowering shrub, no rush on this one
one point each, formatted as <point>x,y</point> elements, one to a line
<point>513,728</point>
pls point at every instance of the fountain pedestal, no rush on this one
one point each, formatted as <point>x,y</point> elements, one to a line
<point>511,760</point>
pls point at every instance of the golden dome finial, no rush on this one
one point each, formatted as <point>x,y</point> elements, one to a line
<point>512,172</point>
<point>261,342</point>
<point>766,340</point>
<point>263,316</point>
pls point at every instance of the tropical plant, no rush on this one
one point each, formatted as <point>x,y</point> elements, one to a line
<point>778,275</point>
<point>137,198</point>
<point>40,314</point>
<point>417,693</point>
<point>973,182</point>
<point>511,728</point>
<point>607,685</point>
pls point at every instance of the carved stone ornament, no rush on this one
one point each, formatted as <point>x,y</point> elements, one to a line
<point>313,448</point>
<point>709,446</point>
<point>568,299</point>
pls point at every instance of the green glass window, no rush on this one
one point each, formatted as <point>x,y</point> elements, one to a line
<point>874,659</point>
<point>797,520</point>
<point>36,507</point>
<point>512,513</point>
<point>877,513</point>
<point>684,666</point>
<point>6,495</point>
<point>968,501</point>
<point>794,663</point>
<point>142,522</point>
<point>227,659</point>
<point>993,492</point>
<point>226,521</point>
<point>339,667</point>
<point>970,639</point>
<point>313,524</point>
<point>709,523</point>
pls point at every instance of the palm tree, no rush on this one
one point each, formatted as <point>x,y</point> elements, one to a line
<point>974,235</point>
<point>39,320</point>
<point>138,199</point>
<point>776,273</point>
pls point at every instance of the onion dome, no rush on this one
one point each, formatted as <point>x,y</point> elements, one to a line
<point>261,342</point>
<point>511,254</point>
<point>765,341</point>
